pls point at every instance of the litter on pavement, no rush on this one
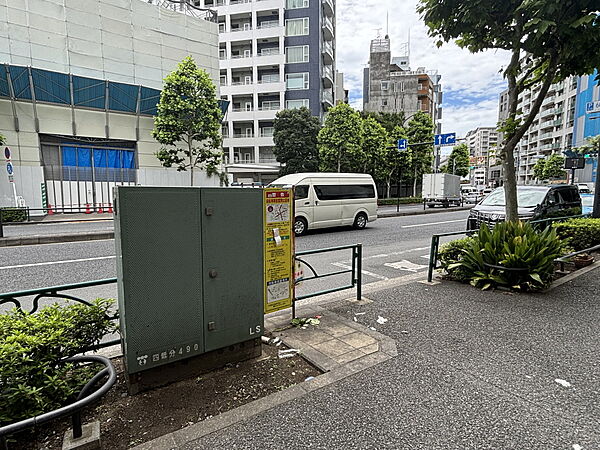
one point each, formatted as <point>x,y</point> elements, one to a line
<point>381,320</point>
<point>306,321</point>
<point>563,383</point>
<point>290,353</point>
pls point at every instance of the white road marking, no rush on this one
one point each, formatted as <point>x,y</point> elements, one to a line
<point>386,255</point>
<point>425,256</point>
<point>431,223</point>
<point>364,272</point>
<point>405,265</point>
<point>49,263</point>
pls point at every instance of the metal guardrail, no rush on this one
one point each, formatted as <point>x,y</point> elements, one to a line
<point>563,259</point>
<point>53,292</point>
<point>435,240</point>
<point>84,399</point>
<point>355,271</point>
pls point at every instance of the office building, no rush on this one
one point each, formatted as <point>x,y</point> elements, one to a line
<point>274,55</point>
<point>79,85</point>
<point>389,84</point>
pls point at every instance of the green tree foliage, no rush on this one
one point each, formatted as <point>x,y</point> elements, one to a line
<point>387,120</point>
<point>295,135</point>
<point>188,122</point>
<point>396,164</point>
<point>340,140</point>
<point>548,40</point>
<point>591,147</point>
<point>549,168</point>
<point>420,132</point>
<point>458,162</point>
<point>375,141</point>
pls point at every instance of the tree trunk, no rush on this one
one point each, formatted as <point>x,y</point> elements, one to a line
<point>415,184</point>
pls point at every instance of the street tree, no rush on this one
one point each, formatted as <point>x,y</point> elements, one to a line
<point>340,140</point>
<point>387,120</point>
<point>295,134</point>
<point>458,161</point>
<point>396,164</point>
<point>375,140</point>
<point>420,140</point>
<point>188,122</point>
<point>547,41</point>
<point>549,168</point>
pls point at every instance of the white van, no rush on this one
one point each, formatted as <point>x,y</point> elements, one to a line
<point>331,199</point>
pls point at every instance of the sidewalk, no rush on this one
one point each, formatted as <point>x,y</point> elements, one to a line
<point>448,367</point>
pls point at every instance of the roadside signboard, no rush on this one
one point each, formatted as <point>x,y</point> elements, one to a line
<point>278,248</point>
<point>402,144</point>
<point>445,139</point>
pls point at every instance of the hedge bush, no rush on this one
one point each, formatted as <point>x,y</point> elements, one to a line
<point>579,233</point>
<point>451,253</point>
<point>511,245</point>
<point>403,200</point>
<point>13,214</point>
<point>33,377</point>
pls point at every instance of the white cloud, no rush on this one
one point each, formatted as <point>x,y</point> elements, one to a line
<point>465,76</point>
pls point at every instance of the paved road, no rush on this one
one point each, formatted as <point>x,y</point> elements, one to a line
<point>393,247</point>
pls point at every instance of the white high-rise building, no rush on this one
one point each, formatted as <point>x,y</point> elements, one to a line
<point>482,142</point>
<point>552,130</point>
<point>274,55</point>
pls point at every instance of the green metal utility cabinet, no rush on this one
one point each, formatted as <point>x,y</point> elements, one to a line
<point>190,271</point>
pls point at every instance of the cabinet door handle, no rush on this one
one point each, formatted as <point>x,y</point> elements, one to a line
<point>306,203</point>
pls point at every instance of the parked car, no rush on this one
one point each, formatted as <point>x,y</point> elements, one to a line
<point>331,199</point>
<point>587,203</point>
<point>534,202</point>
<point>584,188</point>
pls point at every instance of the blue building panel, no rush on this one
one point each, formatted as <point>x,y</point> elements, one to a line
<point>89,92</point>
<point>52,87</point>
<point>122,97</point>
<point>4,92</point>
<point>20,82</point>
<point>586,124</point>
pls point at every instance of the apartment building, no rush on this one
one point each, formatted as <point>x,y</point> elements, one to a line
<point>390,85</point>
<point>482,143</point>
<point>274,55</point>
<point>77,115</point>
<point>552,130</point>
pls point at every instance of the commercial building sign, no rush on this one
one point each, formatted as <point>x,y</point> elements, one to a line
<point>278,248</point>
<point>592,107</point>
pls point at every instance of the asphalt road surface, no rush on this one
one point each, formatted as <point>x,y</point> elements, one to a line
<point>392,248</point>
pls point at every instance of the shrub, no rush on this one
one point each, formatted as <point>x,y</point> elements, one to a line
<point>33,377</point>
<point>403,200</point>
<point>452,253</point>
<point>511,245</point>
<point>579,233</point>
<point>13,214</point>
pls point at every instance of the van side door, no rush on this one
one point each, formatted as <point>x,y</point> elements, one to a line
<point>327,211</point>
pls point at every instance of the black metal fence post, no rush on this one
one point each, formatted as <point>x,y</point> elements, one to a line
<point>358,271</point>
<point>1,227</point>
<point>435,240</point>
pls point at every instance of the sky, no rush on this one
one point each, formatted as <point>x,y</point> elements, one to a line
<point>471,82</point>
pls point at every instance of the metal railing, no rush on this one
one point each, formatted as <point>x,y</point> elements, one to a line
<point>355,270</point>
<point>84,399</point>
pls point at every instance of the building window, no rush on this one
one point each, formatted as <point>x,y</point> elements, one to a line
<point>296,81</point>
<point>295,104</point>
<point>385,85</point>
<point>296,4</point>
<point>297,54</point>
<point>296,27</point>
<point>384,102</point>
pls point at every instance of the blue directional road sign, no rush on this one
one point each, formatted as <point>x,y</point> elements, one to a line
<point>9,168</point>
<point>402,144</point>
<point>445,139</point>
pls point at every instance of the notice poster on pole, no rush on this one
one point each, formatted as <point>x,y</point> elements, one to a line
<point>279,248</point>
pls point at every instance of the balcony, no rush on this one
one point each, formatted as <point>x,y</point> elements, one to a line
<point>328,80</point>
<point>269,106</point>
<point>546,136</point>
<point>328,52</point>
<point>327,96</point>
<point>328,7</point>
<point>268,24</point>
<point>328,29</point>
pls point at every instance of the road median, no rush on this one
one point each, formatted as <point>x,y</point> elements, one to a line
<point>55,238</point>
<point>385,214</point>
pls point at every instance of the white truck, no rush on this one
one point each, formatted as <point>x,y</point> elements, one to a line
<point>441,189</point>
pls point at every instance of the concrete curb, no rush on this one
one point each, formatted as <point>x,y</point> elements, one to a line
<point>573,275</point>
<point>333,373</point>
<point>55,238</point>
<point>384,215</point>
